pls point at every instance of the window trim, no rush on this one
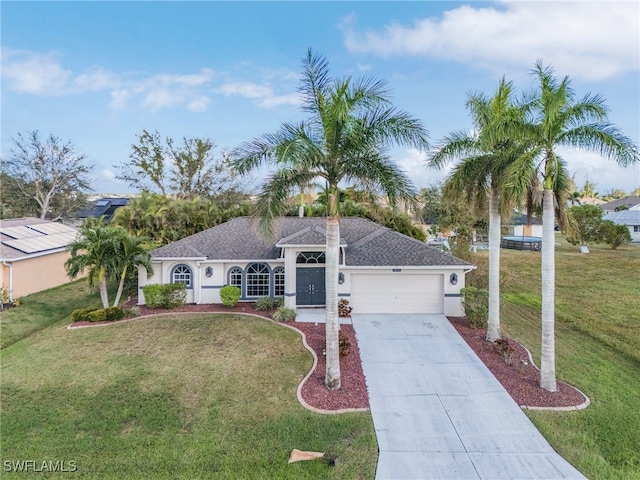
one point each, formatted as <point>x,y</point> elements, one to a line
<point>259,274</point>
<point>189,283</point>
<point>279,270</point>
<point>242,278</point>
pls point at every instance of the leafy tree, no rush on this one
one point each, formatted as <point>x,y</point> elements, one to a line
<point>346,138</point>
<point>586,221</point>
<point>557,119</point>
<point>614,194</point>
<point>589,190</point>
<point>105,253</point>
<point>615,234</point>
<point>48,172</point>
<point>356,203</point>
<point>484,156</point>
<point>12,203</point>
<point>163,220</point>
<point>185,171</point>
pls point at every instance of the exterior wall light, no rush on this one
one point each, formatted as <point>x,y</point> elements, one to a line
<point>453,278</point>
<point>340,278</point>
<point>208,271</point>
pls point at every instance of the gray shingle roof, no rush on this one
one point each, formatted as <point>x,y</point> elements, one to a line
<point>628,202</point>
<point>624,217</point>
<point>367,243</point>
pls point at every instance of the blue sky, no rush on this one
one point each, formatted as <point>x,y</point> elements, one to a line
<point>98,73</point>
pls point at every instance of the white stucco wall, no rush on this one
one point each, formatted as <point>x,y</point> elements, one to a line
<point>207,289</point>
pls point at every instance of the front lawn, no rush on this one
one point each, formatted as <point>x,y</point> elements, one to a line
<point>597,350</point>
<point>196,396</point>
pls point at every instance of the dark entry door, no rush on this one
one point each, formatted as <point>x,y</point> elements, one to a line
<point>310,289</point>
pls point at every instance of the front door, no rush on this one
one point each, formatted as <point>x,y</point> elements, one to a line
<point>310,288</point>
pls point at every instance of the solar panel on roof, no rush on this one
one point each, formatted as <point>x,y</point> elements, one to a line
<point>41,243</point>
<point>52,228</point>
<point>20,232</point>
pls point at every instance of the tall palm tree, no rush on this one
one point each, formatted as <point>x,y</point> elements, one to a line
<point>346,138</point>
<point>484,155</point>
<point>94,251</point>
<point>558,119</point>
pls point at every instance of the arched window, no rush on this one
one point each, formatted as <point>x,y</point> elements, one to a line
<point>182,274</point>
<point>278,282</point>
<point>235,277</point>
<point>258,280</point>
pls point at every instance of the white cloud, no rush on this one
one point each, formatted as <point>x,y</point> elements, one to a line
<point>35,73</point>
<point>605,174</point>
<point>414,164</point>
<point>43,74</point>
<point>592,40</point>
<point>264,95</point>
<point>245,89</point>
<point>108,174</point>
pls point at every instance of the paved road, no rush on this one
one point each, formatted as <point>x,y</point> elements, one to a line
<point>439,413</point>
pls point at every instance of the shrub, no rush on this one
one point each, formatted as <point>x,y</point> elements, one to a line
<point>507,352</point>
<point>265,303</point>
<point>344,310</point>
<point>98,315</point>
<point>170,295</point>
<point>132,312</point>
<point>614,234</point>
<point>82,314</point>
<point>476,306</point>
<point>114,313</point>
<point>284,314</point>
<point>4,295</point>
<point>230,295</point>
<point>344,345</point>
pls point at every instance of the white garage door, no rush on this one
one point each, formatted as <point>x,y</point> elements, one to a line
<point>396,293</point>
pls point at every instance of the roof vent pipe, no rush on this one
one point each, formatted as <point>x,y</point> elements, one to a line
<point>301,211</point>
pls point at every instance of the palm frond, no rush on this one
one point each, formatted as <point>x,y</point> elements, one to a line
<point>272,200</point>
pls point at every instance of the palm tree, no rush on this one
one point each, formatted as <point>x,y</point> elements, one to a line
<point>94,251</point>
<point>484,156</point>
<point>557,119</point>
<point>346,138</point>
<point>132,254</point>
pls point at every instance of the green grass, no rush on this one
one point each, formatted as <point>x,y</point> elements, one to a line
<point>201,396</point>
<point>597,350</point>
<point>43,309</point>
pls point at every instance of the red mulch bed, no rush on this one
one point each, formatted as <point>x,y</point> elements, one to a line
<point>353,389</point>
<point>521,379</point>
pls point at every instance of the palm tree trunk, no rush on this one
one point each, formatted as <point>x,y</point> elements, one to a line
<point>104,295</point>
<point>493,323</point>
<point>120,287</point>
<point>548,359</point>
<point>332,374</point>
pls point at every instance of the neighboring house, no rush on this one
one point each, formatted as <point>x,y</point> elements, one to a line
<point>32,255</point>
<point>591,201</point>
<point>103,207</point>
<point>520,226</point>
<point>630,218</point>
<point>380,270</point>
<point>631,202</point>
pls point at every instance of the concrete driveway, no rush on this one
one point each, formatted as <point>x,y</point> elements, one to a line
<point>439,413</point>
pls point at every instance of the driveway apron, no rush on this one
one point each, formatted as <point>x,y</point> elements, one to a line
<point>439,413</point>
